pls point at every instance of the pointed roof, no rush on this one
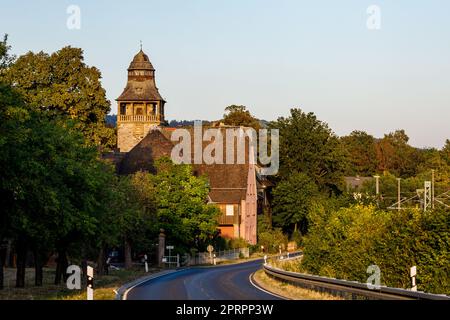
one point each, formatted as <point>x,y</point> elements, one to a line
<point>141,88</point>
<point>141,62</point>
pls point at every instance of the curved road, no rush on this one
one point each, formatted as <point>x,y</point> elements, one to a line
<point>229,282</point>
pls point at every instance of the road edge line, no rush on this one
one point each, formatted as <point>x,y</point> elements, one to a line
<point>250,278</point>
<point>125,294</point>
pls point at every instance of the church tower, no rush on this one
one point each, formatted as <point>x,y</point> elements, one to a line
<point>140,107</point>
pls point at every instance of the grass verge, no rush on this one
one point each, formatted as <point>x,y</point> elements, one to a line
<point>104,286</point>
<point>288,290</point>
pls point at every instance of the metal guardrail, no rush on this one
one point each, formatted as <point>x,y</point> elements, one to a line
<point>349,289</point>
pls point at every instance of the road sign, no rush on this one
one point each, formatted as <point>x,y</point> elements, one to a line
<point>210,248</point>
<point>169,247</point>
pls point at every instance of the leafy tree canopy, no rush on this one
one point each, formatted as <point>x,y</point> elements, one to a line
<point>308,146</point>
<point>239,116</point>
<point>61,84</point>
<point>292,200</point>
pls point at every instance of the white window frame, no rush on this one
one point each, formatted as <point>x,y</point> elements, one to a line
<point>229,210</point>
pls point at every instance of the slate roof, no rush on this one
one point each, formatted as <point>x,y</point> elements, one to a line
<point>141,62</point>
<point>228,182</point>
<point>144,90</point>
<point>140,88</point>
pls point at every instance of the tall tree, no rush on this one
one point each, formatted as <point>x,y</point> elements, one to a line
<point>397,156</point>
<point>445,152</point>
<point>6,59</point>
<point>181,204</point>
<point>292,201</point>
<point>361,152</point>
<point>239,116</point>
<point>308,146</point>
<point>61,84</point>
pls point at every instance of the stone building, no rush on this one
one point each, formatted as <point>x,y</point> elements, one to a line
<point>143,137</point>
<point>140,107</point>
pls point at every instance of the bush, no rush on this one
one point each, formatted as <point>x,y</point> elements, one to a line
<point>345,242</point>
<point>297,238</point>
<point>237,243</point>
<point>271,240</point>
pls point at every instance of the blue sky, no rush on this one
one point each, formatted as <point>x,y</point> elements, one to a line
<point>268,55</point>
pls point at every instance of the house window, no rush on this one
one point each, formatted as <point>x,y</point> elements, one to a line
<point>229,210</point>
<point>123,108</point>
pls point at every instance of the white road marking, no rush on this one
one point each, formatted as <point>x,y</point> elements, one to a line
<point>259,288</point>
<point>125,294</point>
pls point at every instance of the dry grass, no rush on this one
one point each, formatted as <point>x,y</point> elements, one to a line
<point>288,290</point>
<point>104,286</point>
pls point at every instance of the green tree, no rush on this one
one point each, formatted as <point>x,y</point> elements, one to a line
<point>61,84</point>
<point>52,183</point>
<point>138,220</point>
<point>308,146</point>
<point>239,116</point>
<point>292,200</point>
<point>446,152</point>
<point>343,243</point>
<point>361,152</point>
<point>397,156</point>
<point>181,205</point>
<point>6,59</point>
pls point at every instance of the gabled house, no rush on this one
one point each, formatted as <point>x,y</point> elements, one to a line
<point>142,138</point>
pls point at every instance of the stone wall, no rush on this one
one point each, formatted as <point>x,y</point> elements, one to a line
<point>129,134</point>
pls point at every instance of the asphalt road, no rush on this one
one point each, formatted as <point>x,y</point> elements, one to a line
<point>229,282</point>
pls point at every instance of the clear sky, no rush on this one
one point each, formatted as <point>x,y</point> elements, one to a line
<point>268,55</point>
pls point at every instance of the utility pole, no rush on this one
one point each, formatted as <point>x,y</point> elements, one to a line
<point>398,195</point>
<point>427,196</point>
<point>432,189</point>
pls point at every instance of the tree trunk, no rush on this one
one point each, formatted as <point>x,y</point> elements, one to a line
<point>21,263</point>
<point>38,268</point>
<point>101,262</point>
<point>61,266</point>
<point>127,248</point>
<point>2,262</point>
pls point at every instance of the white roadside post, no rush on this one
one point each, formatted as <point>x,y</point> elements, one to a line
<point>210,249</point>
<point>90,283</point>
<point>145,263</point>
<point>214,259</point>
<point>413,273</point>
<point>265,259</point>
<point>170,256</point>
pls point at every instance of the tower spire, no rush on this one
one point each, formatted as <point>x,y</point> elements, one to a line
<point>140,41</point>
